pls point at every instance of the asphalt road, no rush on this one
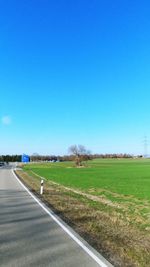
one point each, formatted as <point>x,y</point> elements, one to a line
<point>29,236</point>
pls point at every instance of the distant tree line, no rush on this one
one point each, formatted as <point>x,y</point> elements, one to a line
<point>120,155</point>
<point>44,158</point>
<point>78,154</point>
<point>10,158</point>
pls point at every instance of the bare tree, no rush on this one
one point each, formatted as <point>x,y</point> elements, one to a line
<point>80,154</point>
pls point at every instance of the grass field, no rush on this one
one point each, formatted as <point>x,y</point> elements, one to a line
<point>107,202</point>
<point>124,176</point>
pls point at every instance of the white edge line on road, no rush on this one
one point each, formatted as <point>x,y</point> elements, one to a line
<point>84,247</point>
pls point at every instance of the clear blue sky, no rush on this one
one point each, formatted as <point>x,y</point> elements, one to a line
<point>74,72</point>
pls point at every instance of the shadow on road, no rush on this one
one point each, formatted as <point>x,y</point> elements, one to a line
<point>30,238</point>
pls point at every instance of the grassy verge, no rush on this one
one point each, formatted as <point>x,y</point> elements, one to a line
<point>117,226</point>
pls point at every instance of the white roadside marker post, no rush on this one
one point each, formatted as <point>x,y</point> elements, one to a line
<point>41,189</point>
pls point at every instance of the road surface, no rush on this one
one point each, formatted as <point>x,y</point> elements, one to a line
<point>30,237</point>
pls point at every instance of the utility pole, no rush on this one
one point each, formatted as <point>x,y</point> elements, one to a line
<point>145,147</point>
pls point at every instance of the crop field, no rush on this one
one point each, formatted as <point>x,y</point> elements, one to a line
<point>107,202</point>
<point>124,176</point>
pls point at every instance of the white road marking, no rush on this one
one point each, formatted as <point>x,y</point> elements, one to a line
<point>84,247</point>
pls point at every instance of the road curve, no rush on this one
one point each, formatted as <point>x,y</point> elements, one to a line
<point>30,237</point>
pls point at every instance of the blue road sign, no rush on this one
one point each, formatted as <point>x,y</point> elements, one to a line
<point>25,158</point>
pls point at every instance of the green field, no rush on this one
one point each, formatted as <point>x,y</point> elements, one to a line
<point>129,177</point>
<point>108,200</point>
